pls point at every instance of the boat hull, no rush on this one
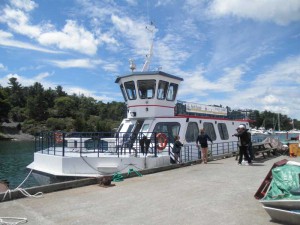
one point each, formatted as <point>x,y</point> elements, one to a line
<point>284,216</point>
<point>76,166</point>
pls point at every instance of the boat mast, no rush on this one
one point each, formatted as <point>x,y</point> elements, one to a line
<point>278,122</point>
<point>149,56</point>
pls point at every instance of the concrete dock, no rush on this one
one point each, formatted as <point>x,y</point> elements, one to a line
<point>220,192</point>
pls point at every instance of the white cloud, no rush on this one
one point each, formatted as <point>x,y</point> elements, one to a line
<point>270,99</point>
<point>134,32</point>
<point>195,82</point>
<point>76,63</point>
<point>42,76</point>
<point>18,21</point>
<point>6,39</point>
<point>111,67</point>
<point>276,90</point>
<point>282,12</point>
<point>132,2</point>
<point>2,67</point>
<point>27,5</point>
<point>72,37</point>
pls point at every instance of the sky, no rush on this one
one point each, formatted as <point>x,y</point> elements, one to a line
<point>236,53</point>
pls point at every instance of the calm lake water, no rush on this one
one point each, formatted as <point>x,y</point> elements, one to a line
<point>14,157</point>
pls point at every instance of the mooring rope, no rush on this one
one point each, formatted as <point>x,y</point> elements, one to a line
<point>23,191</point>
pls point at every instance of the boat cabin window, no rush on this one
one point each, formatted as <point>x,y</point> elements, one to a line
<point>128,133</point>
<point>172,91</point>
<point>146,88</point>
<point>162,89</point>
<point>170,128</point>
<point>223,131</point>
<point>192,132</point>
<point>210,130</point>
<point>145,128</point>
<point>120,127</point>
<point>123,92</point>
<point>130,90</point>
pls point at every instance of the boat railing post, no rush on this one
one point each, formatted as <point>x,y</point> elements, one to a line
<point>63,144</point>
<point>155,145</point>
<point>53,145</point>
<point>199,152</point>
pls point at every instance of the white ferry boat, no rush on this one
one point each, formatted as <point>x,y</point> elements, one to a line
<point>144,139</point>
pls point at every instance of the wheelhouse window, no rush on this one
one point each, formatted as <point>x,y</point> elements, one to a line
<point>162,89</point>
<point>130,90</point>
<point>223,131</point>
<point>170,128</point>
<point>146,88</point>
<point>210,130</point>
<point>192,132</point>
<point>123,92</point>
<point>172,91</point>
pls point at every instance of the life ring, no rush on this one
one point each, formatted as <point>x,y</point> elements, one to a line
<point>162,141</point>
<point>58,137</point>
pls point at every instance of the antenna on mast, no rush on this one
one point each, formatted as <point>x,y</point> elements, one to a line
<point>132,65</point>
<point>151,29</point>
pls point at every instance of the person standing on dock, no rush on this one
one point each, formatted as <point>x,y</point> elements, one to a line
<point>244,141</point>
<point>202,140</point>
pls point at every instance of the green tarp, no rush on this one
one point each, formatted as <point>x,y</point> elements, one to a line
<point>284,179</point>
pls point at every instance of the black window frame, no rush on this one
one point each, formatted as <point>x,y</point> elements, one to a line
<point>223,131</point>
<point>210,130</point>
<point>127,86</point>
<point>191,135</point>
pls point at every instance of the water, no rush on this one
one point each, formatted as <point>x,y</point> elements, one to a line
<point>14,157</point>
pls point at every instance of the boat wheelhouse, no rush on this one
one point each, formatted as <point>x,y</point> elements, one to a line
<point>144,139</point>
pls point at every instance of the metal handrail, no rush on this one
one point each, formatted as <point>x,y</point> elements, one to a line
<point>119,143</point>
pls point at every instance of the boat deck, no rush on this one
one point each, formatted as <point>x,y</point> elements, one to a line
<point>220,192</point>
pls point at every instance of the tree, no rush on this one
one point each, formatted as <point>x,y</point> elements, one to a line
<point>60,92</point>
<point>4,105</point>
<point>36,105</point>
<point>16,94</point>
<point>65,106</point>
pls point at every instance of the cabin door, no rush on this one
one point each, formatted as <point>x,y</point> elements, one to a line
<point>138,126</point>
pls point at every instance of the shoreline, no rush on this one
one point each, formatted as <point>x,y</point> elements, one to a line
<point>16,137</point>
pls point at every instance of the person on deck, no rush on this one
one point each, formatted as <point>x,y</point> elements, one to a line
<point>176,149</point>
<point>244,141</point>
<point>202,140</point>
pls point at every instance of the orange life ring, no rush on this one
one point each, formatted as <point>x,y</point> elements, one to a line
<point>58,137</point>
<point>162,141</point>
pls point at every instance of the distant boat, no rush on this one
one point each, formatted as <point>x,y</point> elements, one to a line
<point>261,130</point>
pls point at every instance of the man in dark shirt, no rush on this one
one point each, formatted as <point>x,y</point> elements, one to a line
<point>242,134</point>
<point>202,140</point>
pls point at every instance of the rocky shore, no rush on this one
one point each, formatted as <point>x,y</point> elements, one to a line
<point>12,131</point>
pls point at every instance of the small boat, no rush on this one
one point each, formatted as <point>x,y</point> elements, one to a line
<point>280,192</point>
<point>291,217</point>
